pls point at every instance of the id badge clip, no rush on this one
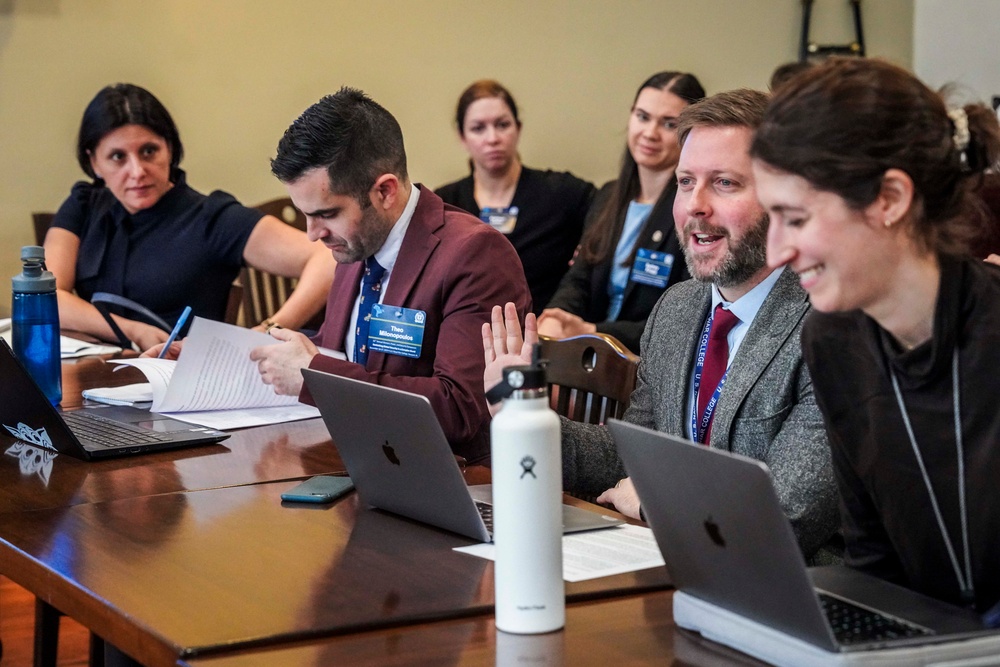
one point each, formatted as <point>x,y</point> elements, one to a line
<point>652,268</point>
<point>503,219</point>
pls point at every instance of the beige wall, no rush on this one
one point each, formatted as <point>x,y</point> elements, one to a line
<point>235,73</point>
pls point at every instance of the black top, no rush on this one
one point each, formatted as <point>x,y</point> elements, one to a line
<point>552,206</point>
<point>584,289</point>
<point>889,526</point>
<point>185,250</point>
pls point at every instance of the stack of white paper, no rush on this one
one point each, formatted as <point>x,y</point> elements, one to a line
<point>214,383</point>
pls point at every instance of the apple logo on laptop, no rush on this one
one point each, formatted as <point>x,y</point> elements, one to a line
<point>713,531</point>
<point>390,453</point>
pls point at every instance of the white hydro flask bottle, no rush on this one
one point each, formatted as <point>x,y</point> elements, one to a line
<point>527,505</point>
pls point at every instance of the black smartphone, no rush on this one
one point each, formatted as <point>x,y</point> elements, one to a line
<point>320,489</point>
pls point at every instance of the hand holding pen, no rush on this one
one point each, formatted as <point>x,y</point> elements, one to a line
<point>181,321</point>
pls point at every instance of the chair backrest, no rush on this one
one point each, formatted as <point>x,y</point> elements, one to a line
<point>263,293</point>
<point>591,377</point>
<point>42,221</point>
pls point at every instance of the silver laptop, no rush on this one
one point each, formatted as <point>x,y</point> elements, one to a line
<point>400,460</point>
<point>726,541</point>
<point>98,433</point>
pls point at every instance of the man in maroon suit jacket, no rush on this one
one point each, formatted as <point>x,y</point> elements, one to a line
<point>345,168</point>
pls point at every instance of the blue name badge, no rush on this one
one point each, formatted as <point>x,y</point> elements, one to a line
<point>502,219</point>
<point>395,330</point>
<point>652,268</point>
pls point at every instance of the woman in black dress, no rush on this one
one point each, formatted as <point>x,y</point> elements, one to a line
<point>541,212</point>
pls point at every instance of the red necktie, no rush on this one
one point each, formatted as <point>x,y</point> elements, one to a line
<point>716,360</point>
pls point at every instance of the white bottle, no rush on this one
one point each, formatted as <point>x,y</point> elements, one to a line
<point>527,507</point>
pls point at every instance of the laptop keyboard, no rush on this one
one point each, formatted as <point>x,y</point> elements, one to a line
<point>108,432</point>
<point>857,625</point>
<point>486,511</point>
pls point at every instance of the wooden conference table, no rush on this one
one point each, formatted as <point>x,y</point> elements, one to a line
<point>191,554</point>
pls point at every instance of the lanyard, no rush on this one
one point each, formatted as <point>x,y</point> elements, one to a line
<point>698,428</point>
<point>964,579</point>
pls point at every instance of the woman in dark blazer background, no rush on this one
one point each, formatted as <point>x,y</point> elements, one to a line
<point>629,253</point>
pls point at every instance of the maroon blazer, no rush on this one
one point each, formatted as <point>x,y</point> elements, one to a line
<point>454,268</point>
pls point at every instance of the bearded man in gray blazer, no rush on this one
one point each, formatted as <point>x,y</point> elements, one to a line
<point>766,409</point>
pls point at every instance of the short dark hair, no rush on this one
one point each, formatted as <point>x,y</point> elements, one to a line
<point>482,89</point>
<point>846,121</point>
<point>742,107</point>
<point>348,134</point>
<point>125,104</point>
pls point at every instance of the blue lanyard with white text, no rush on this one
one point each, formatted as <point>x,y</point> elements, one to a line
<point>698,430</point>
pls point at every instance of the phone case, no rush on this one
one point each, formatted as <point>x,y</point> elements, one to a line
<point>321,489</point>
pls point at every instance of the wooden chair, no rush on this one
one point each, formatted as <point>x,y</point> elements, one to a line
<point>42,221</point>
<point>591,377</point>
<point>262,292</point>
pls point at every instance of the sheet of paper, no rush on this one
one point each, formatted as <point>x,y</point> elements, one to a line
<point>71,348</point>
<point>597,553</point>
<point>214,383</point>
<point>225,420</point>
<point>215,372</point>
<point>129,394</point>
<point>157,371</point>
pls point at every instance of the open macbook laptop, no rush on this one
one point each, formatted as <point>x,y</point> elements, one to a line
<point>400,460</point>
<point>743,581</point>
<point>87,434</point>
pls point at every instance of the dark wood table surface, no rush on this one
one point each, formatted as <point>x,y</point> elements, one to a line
<point>39,479</point>
<point>171,575</point>
<point>188,553</point>
<point>624,631</point>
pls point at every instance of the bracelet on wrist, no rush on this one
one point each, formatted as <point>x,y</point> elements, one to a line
<point>269,324</point>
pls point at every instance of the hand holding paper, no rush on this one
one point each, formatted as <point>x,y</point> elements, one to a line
<point>215,373</point>
<point>280,363</point>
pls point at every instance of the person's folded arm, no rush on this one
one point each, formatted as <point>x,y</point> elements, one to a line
<point>62,248</point>
<point>283,250</point>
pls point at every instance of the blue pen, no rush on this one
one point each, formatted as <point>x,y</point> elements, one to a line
<point>181,321</point>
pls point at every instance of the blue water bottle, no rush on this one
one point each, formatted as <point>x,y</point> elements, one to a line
<point>35,322</point>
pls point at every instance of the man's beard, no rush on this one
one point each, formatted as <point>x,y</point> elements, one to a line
<point>372,233</point>
<point>744,258</point>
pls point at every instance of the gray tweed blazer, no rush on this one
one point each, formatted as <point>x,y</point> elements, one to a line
<point>767,410</point>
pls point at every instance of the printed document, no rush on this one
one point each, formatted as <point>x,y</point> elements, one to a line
<point>214,383</point>
<point>597,553</point>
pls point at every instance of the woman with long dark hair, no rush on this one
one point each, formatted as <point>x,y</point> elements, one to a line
<point>629,253</point>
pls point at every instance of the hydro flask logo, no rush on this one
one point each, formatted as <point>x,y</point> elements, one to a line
<point>528,464</point>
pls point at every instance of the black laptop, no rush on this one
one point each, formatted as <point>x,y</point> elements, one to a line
<point>743,581</point>
<point>91,433</point>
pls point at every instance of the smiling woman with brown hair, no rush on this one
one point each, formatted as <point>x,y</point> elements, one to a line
<point>627,255</point>
<point>866,175</point>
